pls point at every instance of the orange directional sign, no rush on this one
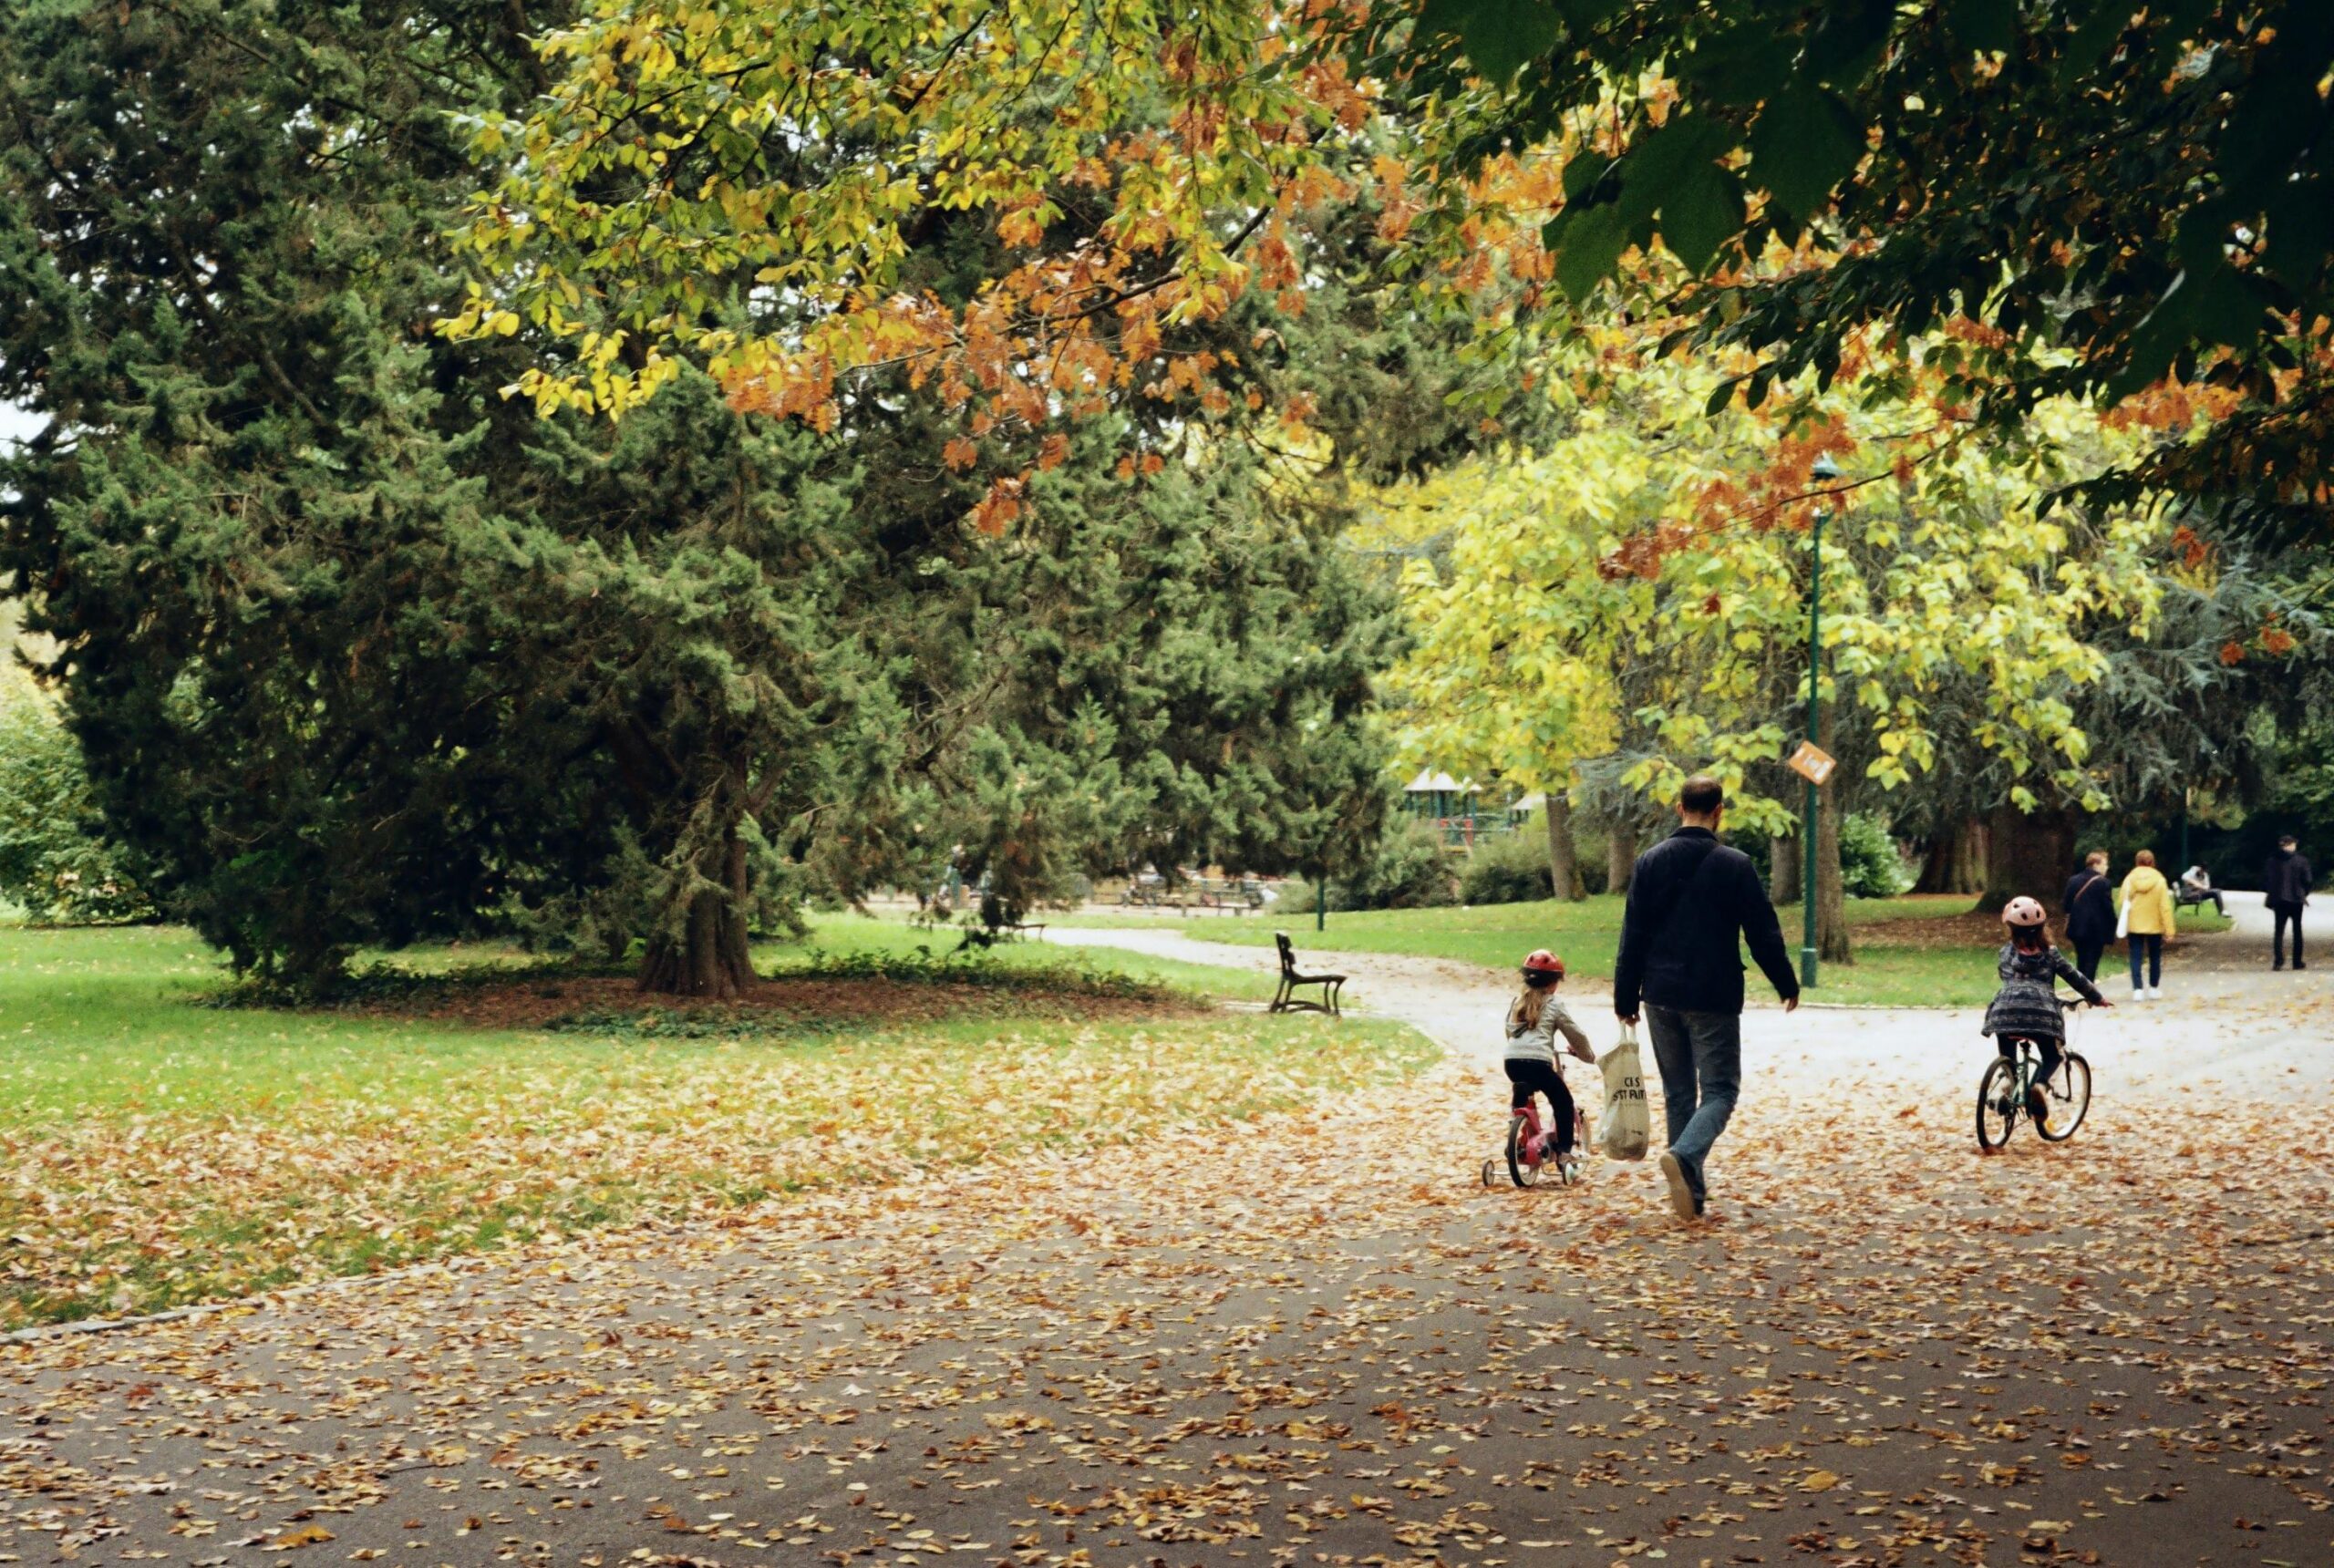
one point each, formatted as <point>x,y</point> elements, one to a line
<point>1811,763</point>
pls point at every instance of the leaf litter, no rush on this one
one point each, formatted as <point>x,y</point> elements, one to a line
<point>685,1114</point>
<point>1314,1340</point>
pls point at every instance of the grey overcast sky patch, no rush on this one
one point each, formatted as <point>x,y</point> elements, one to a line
<point>15,424</point>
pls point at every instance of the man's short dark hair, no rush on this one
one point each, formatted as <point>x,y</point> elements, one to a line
<point>1701,796</point>
<point>2288,842</point>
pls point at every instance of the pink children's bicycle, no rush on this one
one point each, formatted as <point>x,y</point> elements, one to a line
<point>1531,1151</point>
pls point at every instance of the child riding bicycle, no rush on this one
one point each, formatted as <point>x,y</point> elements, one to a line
<point>2027,1007</point>
<point>1533,1025</point>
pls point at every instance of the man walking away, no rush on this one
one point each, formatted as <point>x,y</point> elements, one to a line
<point>2285,883</point>
<point>2090,903</point>
<point>1692,900</point>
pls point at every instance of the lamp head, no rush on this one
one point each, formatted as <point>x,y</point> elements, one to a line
<point>1826,468</point>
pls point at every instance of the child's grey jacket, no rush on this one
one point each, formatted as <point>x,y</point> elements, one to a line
<point>1538,1043</point>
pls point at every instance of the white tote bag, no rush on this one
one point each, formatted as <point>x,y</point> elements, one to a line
<point>1625,1125</point>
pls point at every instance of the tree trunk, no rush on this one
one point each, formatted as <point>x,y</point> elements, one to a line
<point>1564,868</point>
<point>1831,943</point>
<point>2030,852</point>
<point>1782,870</point>
<point>1620,854</point>
<point>1956,858</point>
<point>710,957</point>
<point>1970,866</point>
<point>1938,865</point>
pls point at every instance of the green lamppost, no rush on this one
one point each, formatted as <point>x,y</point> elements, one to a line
<point>1825,471</point>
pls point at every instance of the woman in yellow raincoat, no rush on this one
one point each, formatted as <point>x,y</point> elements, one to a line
<point>2146,922</point>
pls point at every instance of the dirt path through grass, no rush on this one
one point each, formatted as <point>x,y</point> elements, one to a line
<point>2237,1030</point>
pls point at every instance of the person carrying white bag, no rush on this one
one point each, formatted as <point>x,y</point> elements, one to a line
<point>1692,903</point>
<point>1625,1127</point>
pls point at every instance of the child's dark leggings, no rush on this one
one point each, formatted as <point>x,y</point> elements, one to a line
<point>2046,1046</point>
<point>1529,1078</point>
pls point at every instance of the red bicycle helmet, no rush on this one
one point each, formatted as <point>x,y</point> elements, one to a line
<point>1543,962</point>
<point>2022,911</point>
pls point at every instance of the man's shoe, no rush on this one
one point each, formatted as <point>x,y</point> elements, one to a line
<point>2278,966</point>
<point>2299,965</point>
<point>1683,1200</point>
<point>2155,992</point>
<point>2139,994</point>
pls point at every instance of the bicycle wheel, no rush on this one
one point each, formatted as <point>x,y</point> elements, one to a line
<point>2069,1090</point>
<point>1519,1171</point>
<point>1997,1105</point>
<point>1490,1167</point>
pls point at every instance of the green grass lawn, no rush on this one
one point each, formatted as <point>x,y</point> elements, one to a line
<point>155,1152</point>
<point>1894,966</point>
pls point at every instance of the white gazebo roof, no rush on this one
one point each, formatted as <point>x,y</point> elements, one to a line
<point>1429,781</point>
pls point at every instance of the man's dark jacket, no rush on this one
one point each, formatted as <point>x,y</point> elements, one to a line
<point>2286,879</point>
<point>1691,900</point>
<point>2090,902</point>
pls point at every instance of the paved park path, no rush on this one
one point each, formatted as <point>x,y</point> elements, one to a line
<point>1323,1342</point>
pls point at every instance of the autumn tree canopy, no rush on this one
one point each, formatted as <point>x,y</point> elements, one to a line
<point>1635,589</point>
<point>2117,202</point>
<point>763,187</point>
<point>2122,202</point>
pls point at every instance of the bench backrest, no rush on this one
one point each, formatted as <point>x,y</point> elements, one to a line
<point>1287,953</point>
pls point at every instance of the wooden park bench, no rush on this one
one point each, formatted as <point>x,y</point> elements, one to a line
<point>989,936</point>
<point>1237,894</point>
<point>1291,977</point>
<point>2184,896</point>
<point>1147,892</point>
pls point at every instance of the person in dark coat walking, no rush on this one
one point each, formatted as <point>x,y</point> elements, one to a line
<point>2090,903</point>
<point>2285,887</point>
<point>1692,901</point>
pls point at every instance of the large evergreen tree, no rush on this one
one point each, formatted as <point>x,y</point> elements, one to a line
<point>360,651</point>
<point>217,258</point>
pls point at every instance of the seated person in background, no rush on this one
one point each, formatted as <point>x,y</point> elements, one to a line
<point>2196,887</point>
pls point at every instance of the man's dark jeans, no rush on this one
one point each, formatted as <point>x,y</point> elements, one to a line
<point>1701,1059</point>
<point>2284,912</point>
<point>2087,954</point>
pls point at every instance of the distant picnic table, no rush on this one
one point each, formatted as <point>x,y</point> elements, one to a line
<point>1233,895</point>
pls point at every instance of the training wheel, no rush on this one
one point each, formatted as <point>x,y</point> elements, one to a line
<point>1491,1168</point>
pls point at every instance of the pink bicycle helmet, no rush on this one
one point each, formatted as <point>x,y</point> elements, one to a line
<point>2022,911</point>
